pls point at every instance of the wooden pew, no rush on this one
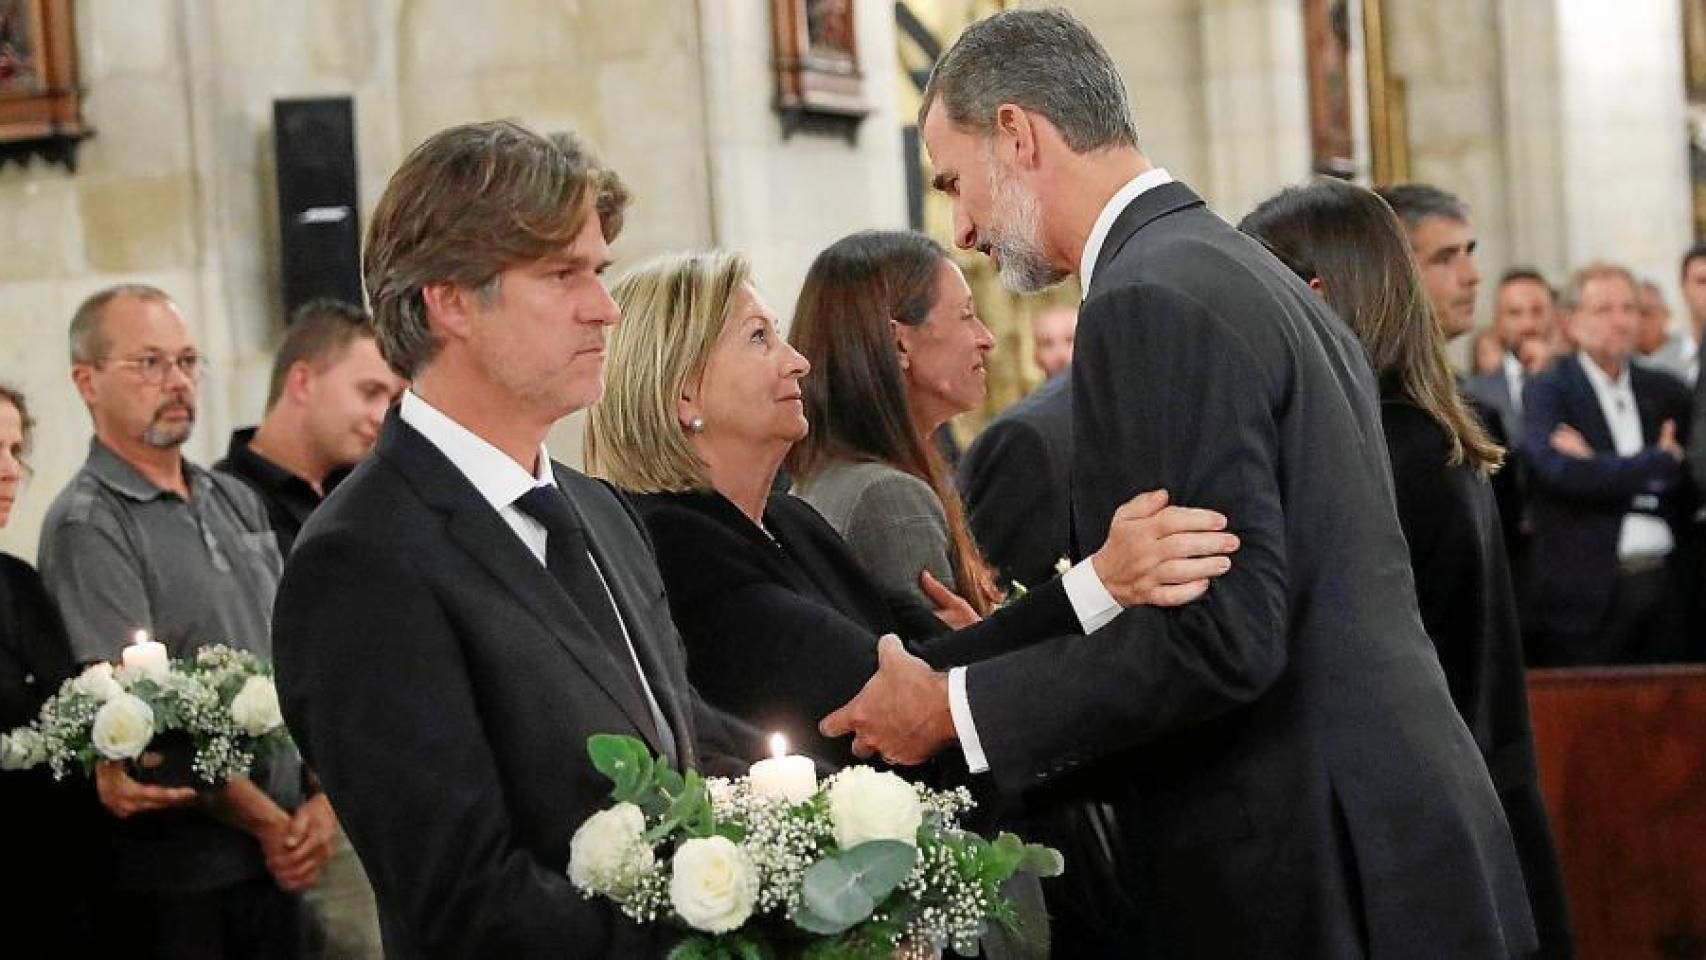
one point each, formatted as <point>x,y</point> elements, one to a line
<point>1623,765</point>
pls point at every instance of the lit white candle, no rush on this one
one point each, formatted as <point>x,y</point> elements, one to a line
<point>790,778</point>
<point>147,657</point>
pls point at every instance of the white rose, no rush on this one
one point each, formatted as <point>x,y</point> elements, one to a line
<point>22,749</point>
<point>123,727</point>
<point>714,884</point>
<point>609,847</point>
<point>96,682</point>
<point>866,804</point>
<point>255,707</point>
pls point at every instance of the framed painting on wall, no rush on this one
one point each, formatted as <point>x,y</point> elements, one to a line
<point>40,109</point>
<point>817,63</point>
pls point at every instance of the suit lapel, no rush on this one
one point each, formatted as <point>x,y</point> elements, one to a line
<point>1589,415</point>
<point>490,542</point>
<point>632,607</point>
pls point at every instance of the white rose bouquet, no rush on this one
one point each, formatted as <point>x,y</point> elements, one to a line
<point>869,867</point>
<point>221,703</point>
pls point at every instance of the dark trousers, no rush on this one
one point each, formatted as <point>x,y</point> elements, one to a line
<point>1639,626</point>
<point>250,920</point>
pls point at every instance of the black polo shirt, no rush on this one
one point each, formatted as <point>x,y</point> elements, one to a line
<point>289,499</point>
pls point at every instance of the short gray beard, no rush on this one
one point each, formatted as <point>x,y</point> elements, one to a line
<point>164,438</point>
<point>1015,224</point>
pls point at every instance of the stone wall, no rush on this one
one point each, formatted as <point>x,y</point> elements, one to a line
<point>177,187</point>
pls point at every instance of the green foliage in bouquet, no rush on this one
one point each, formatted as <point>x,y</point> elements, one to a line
<point>868,867</point>
<point>222,701</point>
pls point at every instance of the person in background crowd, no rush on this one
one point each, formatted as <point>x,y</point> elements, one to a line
<point>1524,320</point>
<point>144,539</point>
<point>1694,298</point>
<point>1345,243</point>
<point>1053,330</point>
<point>1604,440</point>
<point>1485,353</point>
<point>56,830</point>
<point>327,397</point>
<point>1442,239</point>
<point>1655,344</point>
<point>1523,314</point>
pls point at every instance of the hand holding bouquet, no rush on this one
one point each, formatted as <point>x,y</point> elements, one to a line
<point>222,702</point>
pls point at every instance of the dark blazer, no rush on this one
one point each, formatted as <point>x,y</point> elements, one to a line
<point>1468,605</point>
<point>1696,455</point>
<point>1578,506</point>
<point>781,633</point>
<point>444,685</point>
<point>1283,751</point>
<point>1014,484</point>
<point>1493,394</point>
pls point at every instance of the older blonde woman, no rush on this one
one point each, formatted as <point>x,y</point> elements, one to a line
<point>781,621</point>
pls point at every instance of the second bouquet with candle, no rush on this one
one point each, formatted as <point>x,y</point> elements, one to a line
<point>213,715</point>
<point>866,866</point>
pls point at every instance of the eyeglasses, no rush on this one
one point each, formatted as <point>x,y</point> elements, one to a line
<point>152,367</point>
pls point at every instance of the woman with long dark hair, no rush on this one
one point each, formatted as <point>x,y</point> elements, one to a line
<point>1347,244</point>
<point>887,320</point>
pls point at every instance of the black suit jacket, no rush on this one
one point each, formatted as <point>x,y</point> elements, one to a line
<point>1014,483</point>
<point>1284,750</point>
<point>781,633</point>
<point>1578,506</point>
<point>444,685</point>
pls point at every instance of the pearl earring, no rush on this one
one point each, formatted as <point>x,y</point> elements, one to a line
<point>696,425</point>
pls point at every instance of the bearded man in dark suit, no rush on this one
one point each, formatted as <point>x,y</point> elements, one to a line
<point>1283,752</point>
<point>462,612</point>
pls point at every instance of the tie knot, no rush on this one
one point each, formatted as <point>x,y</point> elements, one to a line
<point>552,509</point>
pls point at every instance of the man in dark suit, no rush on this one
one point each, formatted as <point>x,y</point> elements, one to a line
<point>1609,496</point>
<point>462,612</point>
<point>1014,483</point>
<point>1283,752</point>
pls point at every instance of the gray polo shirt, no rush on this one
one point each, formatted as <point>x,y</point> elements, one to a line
<point>120,554</point>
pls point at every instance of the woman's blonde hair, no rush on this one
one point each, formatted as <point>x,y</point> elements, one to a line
<point>673,311</point>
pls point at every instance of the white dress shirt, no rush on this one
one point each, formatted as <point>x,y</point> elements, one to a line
<point>502,481</point>
<point>1642,534</point>
<point>1091,602</point>
<point>1122,198</point>
<point>1514,377</point>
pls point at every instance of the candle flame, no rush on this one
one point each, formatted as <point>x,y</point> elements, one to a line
<point>140,636</point>
<point>778,745</point>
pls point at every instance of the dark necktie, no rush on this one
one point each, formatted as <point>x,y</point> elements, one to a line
<point>568,560</point>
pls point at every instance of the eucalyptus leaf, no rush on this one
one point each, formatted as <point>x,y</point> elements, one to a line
<point>810,921</point>
<point>1001,859</point>
<point>1043,861</point>
<point>842,889</point>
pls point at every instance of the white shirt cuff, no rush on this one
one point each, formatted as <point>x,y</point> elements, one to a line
<point>964,728</point>
<point>1091,601</point>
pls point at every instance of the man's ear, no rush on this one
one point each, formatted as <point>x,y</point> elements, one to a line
<point>83,376</point>
<point>297,380</point>
<point>450,309</point>
<point>1016,136</point>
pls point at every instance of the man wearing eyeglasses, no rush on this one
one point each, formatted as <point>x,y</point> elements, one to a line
<point>143,539</point>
